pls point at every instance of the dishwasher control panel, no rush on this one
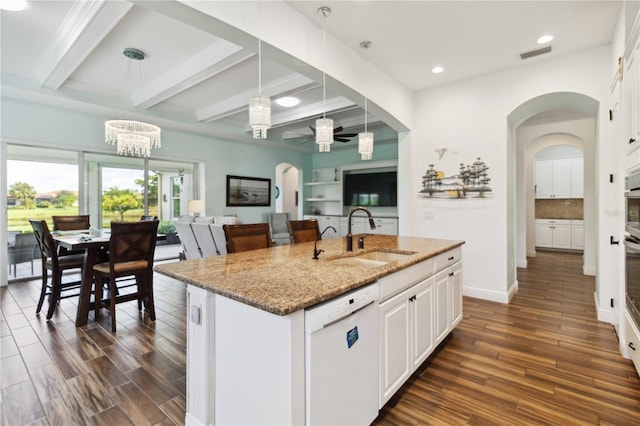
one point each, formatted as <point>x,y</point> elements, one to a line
<point>339,307</point>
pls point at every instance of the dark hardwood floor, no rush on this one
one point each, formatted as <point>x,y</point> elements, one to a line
<point>543,359</point>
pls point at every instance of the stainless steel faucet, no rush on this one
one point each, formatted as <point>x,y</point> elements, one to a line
<point>349,237</point>
<point>317,252</point>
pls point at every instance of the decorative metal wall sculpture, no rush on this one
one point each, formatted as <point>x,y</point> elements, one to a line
<point>472,179</point>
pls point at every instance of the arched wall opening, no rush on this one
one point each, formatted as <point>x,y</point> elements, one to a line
<point>571,114</point>
<point>287,187</point>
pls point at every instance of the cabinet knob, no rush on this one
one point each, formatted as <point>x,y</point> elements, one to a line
<point>631,140</point>
<point>632,346</point>
<point>412,298</point>
<point>450,274</point>
<point>451,258</point>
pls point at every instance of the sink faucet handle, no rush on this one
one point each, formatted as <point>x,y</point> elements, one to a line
<point>361,241</point>
<point>316,253</point>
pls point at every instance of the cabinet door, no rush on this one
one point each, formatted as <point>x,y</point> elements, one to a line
<point>562,178</point>
<point>455,282</point>
<point>562,236</point>
<point>422,321</point>
<point>544,235</point>
<point>442,307</point>
<point>577,178</point>
<point>386,226</point>
<point>577,237</point>
<point>544,179</point>
<point>325,221</point>
<point>395,344</point>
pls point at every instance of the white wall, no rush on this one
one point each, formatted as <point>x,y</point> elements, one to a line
<point>470,119</point>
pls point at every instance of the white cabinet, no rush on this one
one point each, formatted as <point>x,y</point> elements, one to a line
<point>577,234</point>
<point>324,221</point>
<point>631,106</point>
<point>553,233</point>
<point>553,178</point>
<point>360,225</point>
<point>324,192</point>
<point>577,177</point>
<point>631,340</point>
<point>418,317</point>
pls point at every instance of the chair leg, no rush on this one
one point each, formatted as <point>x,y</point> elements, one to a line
<point>97,295</point>
<point>54,296</point>
<point>43,292</point>
<point>112,294</point>
<point>148,289</point>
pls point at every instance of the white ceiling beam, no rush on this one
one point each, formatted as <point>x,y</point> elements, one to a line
<point>240,102</point>
<point>84,27</point>
<point>311,110</point>
<point>216,58</point>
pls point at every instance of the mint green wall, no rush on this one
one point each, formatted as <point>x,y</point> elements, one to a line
<point>381,151</point>
<point>42,125</point>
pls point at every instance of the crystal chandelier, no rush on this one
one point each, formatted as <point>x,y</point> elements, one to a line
<point>324,125</point>
<point>260,106</point>
<point>132,138</point>
<point>365,140</point>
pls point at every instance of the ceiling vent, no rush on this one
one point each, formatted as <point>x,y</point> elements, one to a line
<point>537,52</point>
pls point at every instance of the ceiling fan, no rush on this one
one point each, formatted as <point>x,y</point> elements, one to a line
<point>338,136</point>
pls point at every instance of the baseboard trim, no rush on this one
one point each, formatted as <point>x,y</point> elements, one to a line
<point>522,263</point>
<point>492,296</point>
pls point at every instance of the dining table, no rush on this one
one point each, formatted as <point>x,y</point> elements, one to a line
<point>91,242</point>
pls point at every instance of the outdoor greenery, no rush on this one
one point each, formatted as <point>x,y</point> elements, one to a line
<point>121,200</point>
<point>24,193</point>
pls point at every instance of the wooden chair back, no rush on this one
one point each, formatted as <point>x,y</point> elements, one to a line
<point>45,240</point>
<point>304,230</point>
<point>71,223</point>
<point>246,237</point>
<point>133,241</point>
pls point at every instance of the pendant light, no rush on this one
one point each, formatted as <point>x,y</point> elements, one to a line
<point>259,106</point>
<point>324,125</point>
<point>131,137</point>
<point>365,139</point>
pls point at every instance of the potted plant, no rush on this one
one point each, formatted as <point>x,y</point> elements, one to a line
<point>168,228</point>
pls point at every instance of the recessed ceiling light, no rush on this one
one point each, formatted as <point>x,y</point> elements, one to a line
<point>13,5</point>
<point>545,39</point>
<point>288,101</point>
<point>437,70</point>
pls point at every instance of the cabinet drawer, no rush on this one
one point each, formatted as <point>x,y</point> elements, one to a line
<point>447,259</point>
<point>553,221</point>
<point>405,278</point>
<point>632,340</point>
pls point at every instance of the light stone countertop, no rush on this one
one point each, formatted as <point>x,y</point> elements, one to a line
<point>284,279</point>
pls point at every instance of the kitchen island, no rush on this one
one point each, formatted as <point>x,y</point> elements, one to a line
<point>246,326</point>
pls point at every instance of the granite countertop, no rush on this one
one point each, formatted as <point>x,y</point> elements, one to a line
<point>284,279</point>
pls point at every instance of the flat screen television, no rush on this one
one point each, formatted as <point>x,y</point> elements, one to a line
<point>371,189</point>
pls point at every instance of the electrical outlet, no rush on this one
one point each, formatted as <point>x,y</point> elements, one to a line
<point>428,214</point>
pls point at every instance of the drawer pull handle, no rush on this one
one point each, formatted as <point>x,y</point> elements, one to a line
<point>451,258</point>
<point>412,298</point>
<point>631,140</point>
<point>450,274</point>
<point>632,346</point>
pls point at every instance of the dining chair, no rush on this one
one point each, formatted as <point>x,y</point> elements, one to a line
<point>71,223</point>
<point>57,265</point>
<point>247,237</point>
<point>131,249</point>
<point>23,249</point>
<point>304,230</point>
<point>188,239</point>
<point>279,229</point>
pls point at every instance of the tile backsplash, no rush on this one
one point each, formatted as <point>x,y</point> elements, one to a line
<point>559,208</point>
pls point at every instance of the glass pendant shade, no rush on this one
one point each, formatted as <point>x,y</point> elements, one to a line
<point>132,138</point>
<point>365,145</point>
<point>260,116</point>
<point>324,134</point>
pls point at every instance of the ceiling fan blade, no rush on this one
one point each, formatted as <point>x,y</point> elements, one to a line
<point>341,139</point>
<point>313,129</point>
<point>346,135</point>
<point>337,129</point>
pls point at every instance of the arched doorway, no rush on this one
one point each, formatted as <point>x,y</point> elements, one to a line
<point>287,190</point>
<point>567,113</point>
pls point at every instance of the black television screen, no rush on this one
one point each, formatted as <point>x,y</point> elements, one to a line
<point>371,189</point>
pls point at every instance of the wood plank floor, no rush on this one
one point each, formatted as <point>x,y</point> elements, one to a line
<point>543,359</point>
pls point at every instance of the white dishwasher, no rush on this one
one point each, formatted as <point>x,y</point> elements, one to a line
<point>341,352</point>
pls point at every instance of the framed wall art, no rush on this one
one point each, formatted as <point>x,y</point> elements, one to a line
<point>248,191</point>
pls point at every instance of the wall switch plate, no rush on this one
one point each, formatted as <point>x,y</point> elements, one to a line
<point>195,314</point>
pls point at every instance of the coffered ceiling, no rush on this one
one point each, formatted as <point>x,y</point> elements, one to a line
<point>198,77</point>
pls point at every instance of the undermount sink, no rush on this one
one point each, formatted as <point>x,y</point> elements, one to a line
<point>373,259</point>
